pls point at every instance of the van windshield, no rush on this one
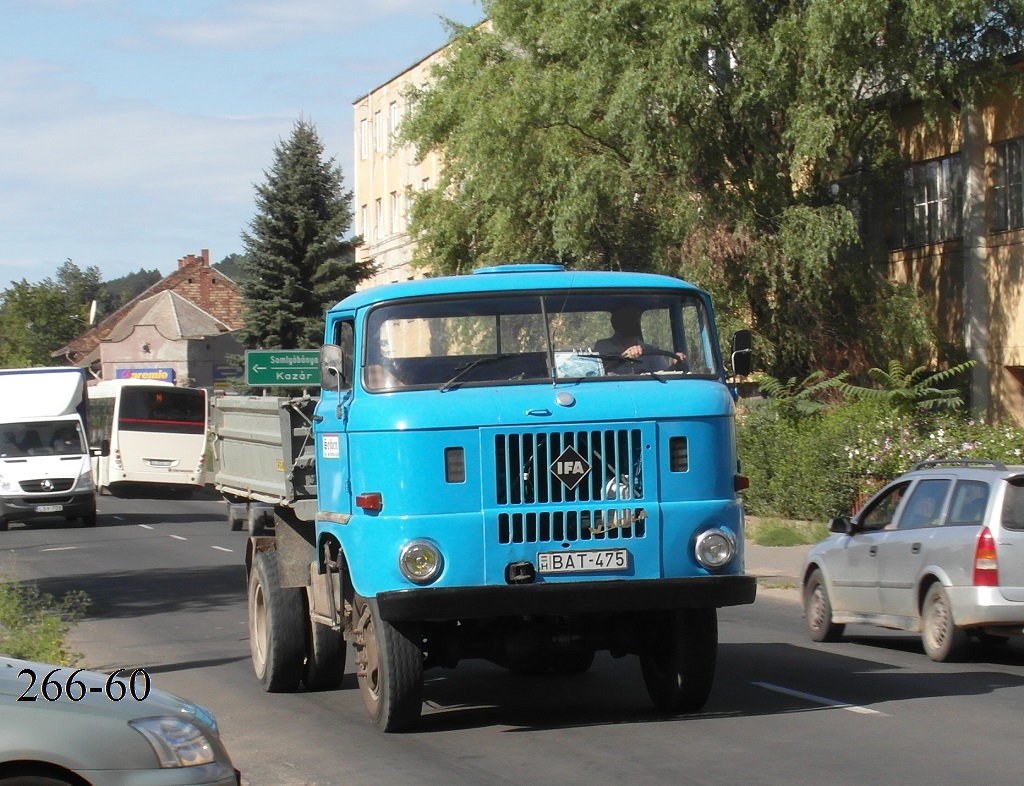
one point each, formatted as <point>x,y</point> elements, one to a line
<point>527,338</point>
<point>42,438</point>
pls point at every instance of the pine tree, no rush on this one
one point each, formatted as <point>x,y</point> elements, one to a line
<point>297,259</point>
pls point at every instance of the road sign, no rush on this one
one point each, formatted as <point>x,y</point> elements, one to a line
<point>282,368</point>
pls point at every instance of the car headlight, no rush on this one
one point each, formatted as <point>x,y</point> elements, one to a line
<point>420,561</point>
<point>176,742</point>
<point>715,548</point>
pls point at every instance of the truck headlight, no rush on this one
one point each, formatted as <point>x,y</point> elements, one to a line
<point>420,561</point>
<point>715,548</point>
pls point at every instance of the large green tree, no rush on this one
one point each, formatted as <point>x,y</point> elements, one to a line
<point>37,319</point>
<point>730,142</point>
<point>298,261</point>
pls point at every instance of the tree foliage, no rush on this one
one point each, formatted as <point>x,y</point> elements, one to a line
<point>37,319</point>
<point>730,142</point>
<point>297,261</point>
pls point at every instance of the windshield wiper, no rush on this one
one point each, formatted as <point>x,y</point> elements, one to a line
<point>465,369</point>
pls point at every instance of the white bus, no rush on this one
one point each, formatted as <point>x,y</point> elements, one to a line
<point>144,432</point>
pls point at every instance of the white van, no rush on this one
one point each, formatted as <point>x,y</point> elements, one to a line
<point>44,455</point>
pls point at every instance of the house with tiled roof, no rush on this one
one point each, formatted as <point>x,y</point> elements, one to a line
<point>180,329</point>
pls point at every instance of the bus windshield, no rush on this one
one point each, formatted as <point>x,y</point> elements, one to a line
<point>532,337</point>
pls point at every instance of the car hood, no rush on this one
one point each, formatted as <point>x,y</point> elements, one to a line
<point>24,679</point>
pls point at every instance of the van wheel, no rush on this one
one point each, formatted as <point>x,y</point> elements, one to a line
<point>680,676</point>
<point>277,626</point>
<point>389,668</point>
<point>89,519</point>
<point>818,611</point>
<point>574,662</point>
<point>4,524</point>
<point>943,641</point>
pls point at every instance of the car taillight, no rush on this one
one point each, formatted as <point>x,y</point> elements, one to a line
<point>986,571</point>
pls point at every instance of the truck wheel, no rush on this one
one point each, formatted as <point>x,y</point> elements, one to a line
<point>325,658</point>
<point>679,679</point>
<point>389,668</point>
<point>818,611</point>
<point>943,641</point>
<point>277,623</point>
<point>575,662</point>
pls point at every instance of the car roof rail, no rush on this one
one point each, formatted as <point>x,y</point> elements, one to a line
<point>962,462</point>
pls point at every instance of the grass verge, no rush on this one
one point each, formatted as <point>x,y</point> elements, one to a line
<point>34,625</point>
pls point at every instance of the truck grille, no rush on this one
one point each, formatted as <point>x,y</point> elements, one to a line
<point>524,475</point>
<point>571,526</point>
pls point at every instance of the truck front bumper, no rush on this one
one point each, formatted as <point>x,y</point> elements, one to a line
<point>563,598</point>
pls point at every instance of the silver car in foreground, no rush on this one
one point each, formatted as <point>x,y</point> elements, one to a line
<point>940,551</point>
<point>65,727</point>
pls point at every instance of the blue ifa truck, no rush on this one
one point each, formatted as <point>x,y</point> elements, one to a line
<point>493,470</point>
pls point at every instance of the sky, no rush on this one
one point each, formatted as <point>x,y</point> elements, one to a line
<point>134,132</point>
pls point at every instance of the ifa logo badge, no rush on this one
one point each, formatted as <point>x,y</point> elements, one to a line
<point>570,468</point>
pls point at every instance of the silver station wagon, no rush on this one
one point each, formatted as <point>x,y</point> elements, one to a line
<point>940,551</point>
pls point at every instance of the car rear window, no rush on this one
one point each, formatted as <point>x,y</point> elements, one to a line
<point>1013,504</point>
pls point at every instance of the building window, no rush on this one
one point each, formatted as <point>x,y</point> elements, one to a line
<point>364,139</point>
<point>1008,186</point>
<point>379,215</point>
<point>378,127</point>
<point>932,203</point>
<point>395,118</point>
<point>394,212</point>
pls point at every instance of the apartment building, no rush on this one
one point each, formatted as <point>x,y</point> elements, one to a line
<point>958,236</point>
<point>387,175</point>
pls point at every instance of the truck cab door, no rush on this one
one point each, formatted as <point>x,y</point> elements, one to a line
<point>329,427</point>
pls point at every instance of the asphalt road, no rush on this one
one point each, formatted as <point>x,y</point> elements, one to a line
<point>168,594</point>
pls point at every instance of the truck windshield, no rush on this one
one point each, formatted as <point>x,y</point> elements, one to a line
<point>516,338</point>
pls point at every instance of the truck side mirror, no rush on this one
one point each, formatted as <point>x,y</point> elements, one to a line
<point>742,357</point>
<point>332,363</point>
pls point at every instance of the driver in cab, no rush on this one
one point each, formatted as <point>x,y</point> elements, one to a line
<point>627,342</point>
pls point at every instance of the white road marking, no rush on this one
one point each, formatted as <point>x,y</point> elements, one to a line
<point>840,705</point>
<point>179,537</point>
<point>61,548</point>
<point>146,526</point>
<point>221,548</point>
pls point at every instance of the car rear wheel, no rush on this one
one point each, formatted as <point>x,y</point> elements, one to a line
<point>277,626</point>
<point>679,678</point>
<point>943,641</point>
<point>818,610</point>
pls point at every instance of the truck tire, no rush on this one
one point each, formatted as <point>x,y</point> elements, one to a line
<point>325,658</point>
<point>277,626</point>
<point>389,668</point>
<point>679,678</point>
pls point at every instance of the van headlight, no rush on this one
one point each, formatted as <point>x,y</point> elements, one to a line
<point>715,548</point>
<point>420,561</point>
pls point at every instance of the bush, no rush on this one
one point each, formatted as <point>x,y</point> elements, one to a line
<point>35,625</point>
<point>826,464</point>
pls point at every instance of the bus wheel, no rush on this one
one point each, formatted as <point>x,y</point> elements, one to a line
<point>389,668</point>
<point>679,678</point>
<point>277,623</point>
